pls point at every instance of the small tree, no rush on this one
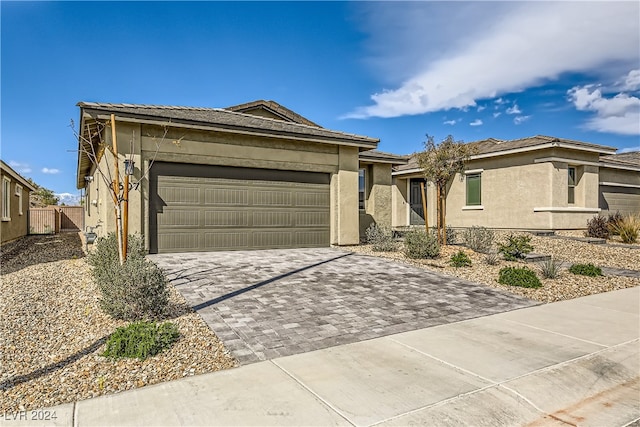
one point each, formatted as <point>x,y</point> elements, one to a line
<point>440,163</point>
<point>94,143</point>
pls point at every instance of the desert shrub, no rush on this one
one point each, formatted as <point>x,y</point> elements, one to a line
<point>451,234</point>
<point>420,244</point>
<point>627,228</point>
<point>492,257</point>
<point>597,227</point>
<point>380,238</point>
<point>516,247</point>
<point>133,291</point>
<point>141,340</point>
<point>460,259</point>
<point>586,270</point>
<point>519,276</point>
<point>612,222</point>
<point>479,239</point>
<point>550,269</point>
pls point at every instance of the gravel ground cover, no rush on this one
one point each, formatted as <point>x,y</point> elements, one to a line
<point>52,331</point>
<point>567,286</point>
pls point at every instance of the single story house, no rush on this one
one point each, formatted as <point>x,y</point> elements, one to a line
<point>258,175</point>
<point>251,176</point>
<point>14,204</point>
<point>534,183</point>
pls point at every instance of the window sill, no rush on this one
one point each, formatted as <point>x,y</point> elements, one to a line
<point>4,219</point>
<point>473,208</point>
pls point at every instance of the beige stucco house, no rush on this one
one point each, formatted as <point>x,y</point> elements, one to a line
<point>251,176</point>
<point>534,183</point>
<point>14,205</point>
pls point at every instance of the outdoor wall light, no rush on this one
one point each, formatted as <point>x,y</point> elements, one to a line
<point>128,166</point>
<point>88,178</point>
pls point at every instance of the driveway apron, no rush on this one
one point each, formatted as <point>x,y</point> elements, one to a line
<point>270,303</point>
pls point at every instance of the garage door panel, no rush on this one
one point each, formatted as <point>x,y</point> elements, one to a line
<point>181,195</point>
<point>312,198</point>
<point>226,196</point>
<point>179,218</point>
<point>200,213</point>
<point>226,219</point>
<point>179,241</point>
<point>313,219</point>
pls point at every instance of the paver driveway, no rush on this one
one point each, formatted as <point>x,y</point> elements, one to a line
<point>271,303</point>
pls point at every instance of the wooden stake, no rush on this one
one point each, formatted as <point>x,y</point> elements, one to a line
<point>424,207</point>
<point>116,187</point>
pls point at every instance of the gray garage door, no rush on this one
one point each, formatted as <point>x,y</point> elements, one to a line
<point>625,200</point>
<point>208,208</point>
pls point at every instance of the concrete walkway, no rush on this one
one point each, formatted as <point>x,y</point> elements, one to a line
<point>575,362</point>
<point>272,303</point>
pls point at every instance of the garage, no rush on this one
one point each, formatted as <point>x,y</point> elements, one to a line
<point>209,208</point>
<point>623,199</point>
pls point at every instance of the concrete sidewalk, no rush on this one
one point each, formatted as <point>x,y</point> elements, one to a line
<point>575,362</point>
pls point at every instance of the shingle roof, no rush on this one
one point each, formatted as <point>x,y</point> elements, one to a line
<point>623,159</point>
<point>217,119</point>
<point>274,108</point>
<point>376,156</point>
<point>9,171</point>
<point>492,146</point>
<point>226,119</point>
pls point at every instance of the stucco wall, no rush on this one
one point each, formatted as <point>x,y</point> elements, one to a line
<point>520,191</point>
<point>223,149</point>
<point>17,225</point>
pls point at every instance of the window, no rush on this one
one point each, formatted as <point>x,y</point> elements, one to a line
<point>19,194</point>
<point>6,199</point>
<point>473,190</point>
<point>361,189</point>
<point>572,185</point>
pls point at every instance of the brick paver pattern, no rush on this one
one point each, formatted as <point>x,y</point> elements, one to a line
<point>271,303</point>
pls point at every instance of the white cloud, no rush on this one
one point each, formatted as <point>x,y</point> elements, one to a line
<point>480,108</point>
<point>502,49</point>
<point>449,122</point>
<point>618,114</point>
<point>499,101</point>
<point>632,81</point>
<point>476,122</point>
<point>496,114</point>
<point>50,171</point>
<point>514,110</point>
<point>20,167</point>
<point>520,119</point>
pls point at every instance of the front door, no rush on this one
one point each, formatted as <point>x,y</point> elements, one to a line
<point>416,216</point>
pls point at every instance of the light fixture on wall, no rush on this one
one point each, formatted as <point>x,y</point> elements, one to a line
<point>128,166</point>
<point>88,178</point>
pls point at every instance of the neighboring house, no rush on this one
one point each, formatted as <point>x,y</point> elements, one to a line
<point>14,205</point>
<point>251,176</point>
<point>534,183</point>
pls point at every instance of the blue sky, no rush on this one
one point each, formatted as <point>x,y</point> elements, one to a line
<point>390,70</point>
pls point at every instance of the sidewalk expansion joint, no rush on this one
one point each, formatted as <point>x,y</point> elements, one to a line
<point>316,395</point>
<point>557,333</point>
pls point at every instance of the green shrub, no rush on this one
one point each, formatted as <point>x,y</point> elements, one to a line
<point>586,270</point>
<point>420,244</point>
<point>516,247</point>
<point>460,259</point>
<point>478,239</point>
<point>597,227</point>
<point>612,222</point>
<point>550,269</point>
<point>141,340</point>
<point>380,238</point>
<point>133,291</point>
<point>519,276</point>
<point>451,234</point>
<point>628,228</point>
